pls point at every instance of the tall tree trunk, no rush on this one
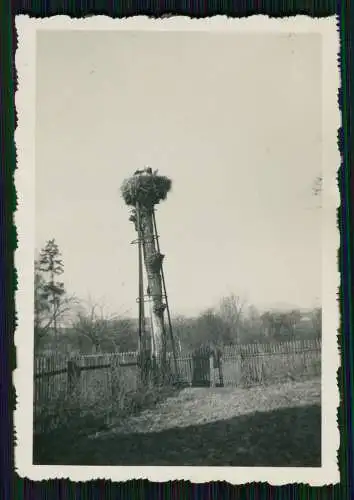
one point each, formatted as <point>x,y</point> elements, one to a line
<point>153,261</point>
<point>54,311</point>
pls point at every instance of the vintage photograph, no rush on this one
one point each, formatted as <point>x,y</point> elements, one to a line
<point>179,200</point>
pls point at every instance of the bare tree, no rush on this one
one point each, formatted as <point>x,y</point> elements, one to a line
<point>251,326</point>
<point>277,323</point>
<point>183,332</point>
<point>316,320</point>
<point>210,330</point>
<point>102,329</point>
<point>291,320</point>
<point>231,309</point>
<point>272,322</point>
<point>93,323</point>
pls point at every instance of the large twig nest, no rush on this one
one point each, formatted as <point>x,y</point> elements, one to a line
<point>148,190</point>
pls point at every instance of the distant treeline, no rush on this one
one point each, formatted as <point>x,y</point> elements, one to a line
<point>91,334</point>
<point>65,324</point>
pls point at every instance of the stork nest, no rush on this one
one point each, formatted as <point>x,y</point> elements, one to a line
<point>148,190</point>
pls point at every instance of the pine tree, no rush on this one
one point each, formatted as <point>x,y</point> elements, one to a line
<point>50,262</point>
<point>41,306</point>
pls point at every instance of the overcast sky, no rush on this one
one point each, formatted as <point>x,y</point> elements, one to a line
<point>234,120</point>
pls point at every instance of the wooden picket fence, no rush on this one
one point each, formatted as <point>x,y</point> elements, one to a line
<point>90,373</point>
<point>92,377</point>
<point>254,364</point>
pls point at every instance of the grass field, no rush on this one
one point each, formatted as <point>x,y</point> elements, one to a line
<point>277,425</point>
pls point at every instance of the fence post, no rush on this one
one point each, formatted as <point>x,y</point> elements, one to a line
<point>114,367</point>
<point>212,370</point>
<point>221,374</point>
<point>74,373</point>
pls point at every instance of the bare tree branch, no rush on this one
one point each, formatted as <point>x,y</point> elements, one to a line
<point>93,323</point>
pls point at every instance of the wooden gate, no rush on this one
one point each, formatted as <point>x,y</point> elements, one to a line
<point>201,369</point>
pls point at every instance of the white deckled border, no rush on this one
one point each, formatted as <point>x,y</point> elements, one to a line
<point>24,257</point>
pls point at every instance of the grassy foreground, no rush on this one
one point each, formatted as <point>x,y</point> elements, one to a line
<point>278,425</point>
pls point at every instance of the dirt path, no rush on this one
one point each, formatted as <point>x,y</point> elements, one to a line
<point>273,426</point>
<point>198,406</point>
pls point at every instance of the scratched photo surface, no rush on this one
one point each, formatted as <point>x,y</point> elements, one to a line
<point>182,209</point>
